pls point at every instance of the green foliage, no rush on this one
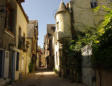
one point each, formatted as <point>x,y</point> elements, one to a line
<point>70,60</point>
<point>100,40</point>
<point>102,52</point>
<point>102,56</point>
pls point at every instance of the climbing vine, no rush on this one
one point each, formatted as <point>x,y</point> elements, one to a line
<point>70,60</point>
<point>102,56</point>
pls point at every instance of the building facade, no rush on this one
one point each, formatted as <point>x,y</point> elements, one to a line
<point>32,40</point>
<point>13,35</point>
<point>63,30</point>
<point>75,18</point>
<point>86,19</point>
<point>7,35</point>
<point>21,42</point>
<point>48,46</point>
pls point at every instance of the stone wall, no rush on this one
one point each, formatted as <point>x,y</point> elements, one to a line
<point>88,73</point>
<point>84,16</point>
<point>21,23</point>
<point>103,78</point>
<point>2,21</point>
<point>63,25</point>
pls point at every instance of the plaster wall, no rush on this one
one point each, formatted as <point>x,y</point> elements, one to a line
<point>21,23</point>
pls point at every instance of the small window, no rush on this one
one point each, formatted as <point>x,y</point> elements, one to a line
<point>93,3</point>
<point>57,24</point>
<point>53,28</point>
<point>19,38</point>
<point>17,62</point>
<point>110,0</point>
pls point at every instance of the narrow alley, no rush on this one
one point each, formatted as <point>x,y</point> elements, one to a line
<point>55,42</point>
<point>44,78</point>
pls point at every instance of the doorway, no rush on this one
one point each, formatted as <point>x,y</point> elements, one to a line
<point>1,62</point>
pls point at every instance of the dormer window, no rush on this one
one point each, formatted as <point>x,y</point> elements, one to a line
<point>93,3</point>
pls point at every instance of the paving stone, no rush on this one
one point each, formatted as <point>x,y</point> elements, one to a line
<point>44,79</point>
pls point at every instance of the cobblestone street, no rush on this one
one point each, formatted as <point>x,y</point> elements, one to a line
<point>44,79</point>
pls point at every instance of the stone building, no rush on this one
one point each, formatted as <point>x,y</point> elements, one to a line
<point>13,34</point>
<point>7,35</point>
<point>46,52</point>
<point>32,39</point>
<point>42,59</point>
<point>63,30</point>
<point>85,19</point>
<point>39,54</point>
<point>21,42</point>
<point>84,16</point>
<point>78,17</point>
<point>48,46</point>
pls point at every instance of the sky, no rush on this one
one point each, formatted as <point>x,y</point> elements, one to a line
<point>43,11</point>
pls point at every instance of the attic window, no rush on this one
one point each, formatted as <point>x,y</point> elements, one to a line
<point>93,3</point>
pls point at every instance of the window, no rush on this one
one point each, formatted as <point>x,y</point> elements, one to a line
<point>57,24</point>
<point>53,29</point>
<point>1,62</point>
<point>23,42</point>
<point>93,3</point>
<point>9,21</point>
<point>19,38</point>
<point>17,62</point>
<point>110,0</point>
